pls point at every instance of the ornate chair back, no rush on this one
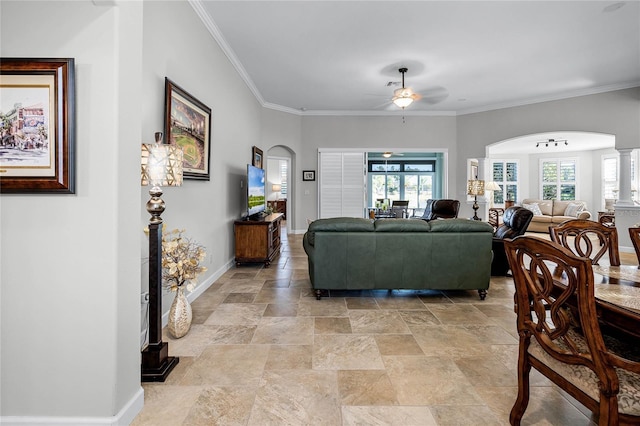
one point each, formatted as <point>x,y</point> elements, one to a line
<point>560,335</point>
<point>579,235</point>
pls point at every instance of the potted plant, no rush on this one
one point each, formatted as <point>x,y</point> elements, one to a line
<point>181,265</point>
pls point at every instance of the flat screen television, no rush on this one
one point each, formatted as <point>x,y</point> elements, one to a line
<point>256,204</point>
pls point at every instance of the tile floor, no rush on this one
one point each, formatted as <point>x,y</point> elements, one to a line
<point>263,351</point>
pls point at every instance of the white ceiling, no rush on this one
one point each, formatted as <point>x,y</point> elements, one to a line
<point>336,57</point>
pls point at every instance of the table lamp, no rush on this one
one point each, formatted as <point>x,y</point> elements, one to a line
<point>161,165</point>
<point>491,187</point>
<point>276,188</point>
<point>475,187</point>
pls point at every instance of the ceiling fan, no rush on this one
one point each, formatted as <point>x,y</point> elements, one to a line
<point>405,96</point>
<point>389,154</point>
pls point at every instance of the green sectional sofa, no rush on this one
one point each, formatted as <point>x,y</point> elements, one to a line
<point>356,254</point>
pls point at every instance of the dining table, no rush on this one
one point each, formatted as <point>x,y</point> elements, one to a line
<point>617,293</point>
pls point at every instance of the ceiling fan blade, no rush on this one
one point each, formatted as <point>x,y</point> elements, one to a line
<point>434,95</point>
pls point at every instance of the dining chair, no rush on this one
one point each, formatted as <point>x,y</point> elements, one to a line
<point>400,208</point>
<point>579,235</point>
<point>634,233</point>
<point>559,334</point>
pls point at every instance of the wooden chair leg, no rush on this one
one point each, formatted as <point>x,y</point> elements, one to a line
<point>522,401</point>
<point>608,415</point>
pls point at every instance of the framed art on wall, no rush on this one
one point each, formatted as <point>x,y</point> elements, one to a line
<point>37,125</point>
<point>257,157</point>
<point>308,175</point>
<point>187,123</point>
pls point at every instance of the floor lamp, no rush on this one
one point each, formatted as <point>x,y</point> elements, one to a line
<point>161,166</point>
<point>475,187</point>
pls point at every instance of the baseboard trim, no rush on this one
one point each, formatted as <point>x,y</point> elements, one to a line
<point>124,417</point>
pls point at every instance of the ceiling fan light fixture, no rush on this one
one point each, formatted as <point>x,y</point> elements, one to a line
<point>402,101</point>
<point>386,154</point>
<point>404,96</point>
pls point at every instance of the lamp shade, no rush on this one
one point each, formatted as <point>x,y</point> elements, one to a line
<point>475,187</point>
<point>276,187</point>
<point>492,186</point>
<point>403,97</point>
<point>161,165</point>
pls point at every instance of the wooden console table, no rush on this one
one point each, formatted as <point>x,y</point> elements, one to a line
<point>279,206</point>
<point>258,241</point>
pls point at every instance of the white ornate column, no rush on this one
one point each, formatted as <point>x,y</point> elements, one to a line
<point>624,194</point>
<point>483,173</point>
<point>627,213</point>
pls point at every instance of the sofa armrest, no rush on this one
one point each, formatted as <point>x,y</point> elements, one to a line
<point>584,215</point>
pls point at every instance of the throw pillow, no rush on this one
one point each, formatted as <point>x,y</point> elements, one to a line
<point>534,207</point>
<point>573,209</point>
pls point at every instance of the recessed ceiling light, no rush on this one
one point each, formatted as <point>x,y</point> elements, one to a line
<point>612,7</point>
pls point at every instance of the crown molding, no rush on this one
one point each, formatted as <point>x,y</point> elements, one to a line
<point>219,38</point>
<point>554,97</point>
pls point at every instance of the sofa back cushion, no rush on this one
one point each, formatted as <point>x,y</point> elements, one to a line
<point>555,207</point>
<point>339,224</point>
<point>401,225</point>
<point>560,207</point>
<point>534,208</point>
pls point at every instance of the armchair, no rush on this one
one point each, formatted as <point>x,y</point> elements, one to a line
<point>441,209</point>
<point>514,223</point>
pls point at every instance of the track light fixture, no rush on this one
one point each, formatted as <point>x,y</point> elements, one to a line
<point>553,142</point>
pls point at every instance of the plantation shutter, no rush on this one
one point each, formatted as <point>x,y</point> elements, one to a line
<point>342,184</point>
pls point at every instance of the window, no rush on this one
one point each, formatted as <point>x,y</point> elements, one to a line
<point>505,174</point>
<point>283,178</point>
<point>610,177</point>
<point>558,179</point>
<point>412,180</point>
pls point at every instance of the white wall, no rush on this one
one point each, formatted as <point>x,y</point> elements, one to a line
<point>615,113</point>
<point>70,268</point>
<point>70,313</point>
<point>206,209</point>
<point>368,132</point>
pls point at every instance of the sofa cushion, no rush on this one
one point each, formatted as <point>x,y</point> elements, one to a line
<point>460,225</point>
<point>401,225</point>
<point>573,209</point>
<point>543,218</point>
<point>534,207</point>
<point>339,224</point>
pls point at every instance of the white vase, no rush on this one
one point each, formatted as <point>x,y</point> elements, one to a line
<point>180,315</point>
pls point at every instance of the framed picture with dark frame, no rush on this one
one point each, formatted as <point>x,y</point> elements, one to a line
<point>257,157</point>
<point>308,175</point>
<point>187,124</point>
<point>37,125</point>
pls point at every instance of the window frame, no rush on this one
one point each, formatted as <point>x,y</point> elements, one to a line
<point>559,182</point>
<point>402,173</point>
<point>504,182</point>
